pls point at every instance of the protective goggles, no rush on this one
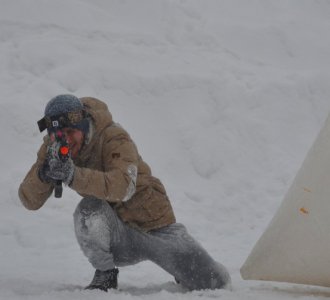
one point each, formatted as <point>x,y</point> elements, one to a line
<point>70,119</point>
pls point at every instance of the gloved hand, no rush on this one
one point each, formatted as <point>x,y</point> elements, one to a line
<point>42,173</point>
<point>59,170</point>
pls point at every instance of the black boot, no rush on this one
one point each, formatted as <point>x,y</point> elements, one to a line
<point>104,280</point>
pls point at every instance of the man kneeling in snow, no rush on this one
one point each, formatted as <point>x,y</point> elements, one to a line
<point>125,215</point>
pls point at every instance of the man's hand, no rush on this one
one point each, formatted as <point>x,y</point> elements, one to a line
<point>42,173</point>
<point>59,170</point>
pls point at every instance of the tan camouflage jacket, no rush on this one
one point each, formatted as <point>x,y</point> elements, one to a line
<point>110,168</point>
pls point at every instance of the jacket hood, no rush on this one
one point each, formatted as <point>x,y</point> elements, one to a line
<point>99,112</point>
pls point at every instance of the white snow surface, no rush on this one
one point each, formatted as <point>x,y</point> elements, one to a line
<point>223,99</point>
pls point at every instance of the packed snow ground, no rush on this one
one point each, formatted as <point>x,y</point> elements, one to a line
<point>223,98</point>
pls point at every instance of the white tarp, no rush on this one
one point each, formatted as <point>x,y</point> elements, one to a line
<point>296,245</point>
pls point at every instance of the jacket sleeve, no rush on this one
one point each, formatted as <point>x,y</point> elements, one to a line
<point>32,191</point>
<point>117,181</point>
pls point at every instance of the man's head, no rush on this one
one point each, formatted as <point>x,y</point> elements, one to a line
<point>66,113</point>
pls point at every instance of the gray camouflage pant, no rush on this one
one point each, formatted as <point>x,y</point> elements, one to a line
<point>108,242</point>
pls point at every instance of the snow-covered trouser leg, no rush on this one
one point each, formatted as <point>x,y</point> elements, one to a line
<point>93,231</point>
<point>100,233</point>
<point>174,250</point>
<point>107,241</point>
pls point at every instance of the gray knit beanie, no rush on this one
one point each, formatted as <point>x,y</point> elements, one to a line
<point>63,104</point>
<point>61,107</point>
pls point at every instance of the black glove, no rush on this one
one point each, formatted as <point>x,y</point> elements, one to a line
<point>59,170</point>
<point>42,173</point>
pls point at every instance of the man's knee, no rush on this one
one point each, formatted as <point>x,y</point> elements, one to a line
<point>96,221</point>
<point>91,216</point>
<point>88,205</point>
<point>204,276</point>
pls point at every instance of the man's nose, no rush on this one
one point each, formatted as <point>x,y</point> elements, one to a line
<point>68,138</point>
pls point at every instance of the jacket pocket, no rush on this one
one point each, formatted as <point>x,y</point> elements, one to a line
<point>148,205</point>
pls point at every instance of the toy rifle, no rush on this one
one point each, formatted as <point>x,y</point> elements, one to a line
<point>58,149</point>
